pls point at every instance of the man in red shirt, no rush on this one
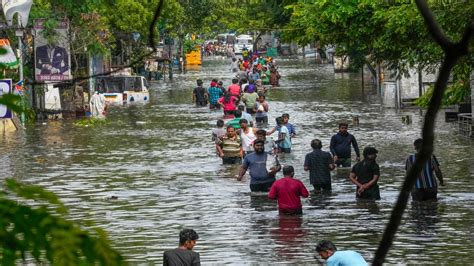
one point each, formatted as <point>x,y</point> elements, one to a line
<point>246,64</point>
<point>288,192</point>
<point>234,89</point>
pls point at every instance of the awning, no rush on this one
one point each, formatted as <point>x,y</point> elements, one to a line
<point>7,57</point>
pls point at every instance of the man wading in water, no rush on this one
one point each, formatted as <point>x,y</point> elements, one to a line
<point>247,136</point>
<point>288,191</point>
<point>200,96</point>
<point>426,187</point>
<point>229,147</point>
<point>341,146</point>
<point>365,176</point>
<point>319,164</point>
<point>184,254</point>
<point>260,178</point>
<point>328,251</point>
<point>261,110</point>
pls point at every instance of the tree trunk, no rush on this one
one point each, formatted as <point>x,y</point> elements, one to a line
<point>256,41</point>
<point>453,52</point>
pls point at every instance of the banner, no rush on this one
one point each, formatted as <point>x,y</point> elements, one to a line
<point>52,60</point>
<point>5,88</point>
<point>8,59</point>
<point>22,7</point>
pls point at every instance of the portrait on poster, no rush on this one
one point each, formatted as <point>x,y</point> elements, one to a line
<point>52,59</point>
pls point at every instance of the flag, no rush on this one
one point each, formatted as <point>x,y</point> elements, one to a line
<point>7,57</point>
<point>22,7</point>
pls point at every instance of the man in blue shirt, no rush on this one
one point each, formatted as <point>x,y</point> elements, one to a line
<point>289,126</point>
<point>283,141</point>
<point>260,178</point>
<point>215,93</point>
<point>328,251</point>
<point>426,187</point>
<point>341,146</point>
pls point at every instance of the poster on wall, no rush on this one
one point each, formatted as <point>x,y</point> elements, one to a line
<point>52,58</point>
<point>5,88</point>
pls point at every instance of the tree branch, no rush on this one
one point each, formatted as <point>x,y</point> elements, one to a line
<point>453,52</point>
<point>433,27</point>
<point>151,40</point>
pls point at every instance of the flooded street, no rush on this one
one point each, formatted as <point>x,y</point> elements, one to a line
<point>160,163</point>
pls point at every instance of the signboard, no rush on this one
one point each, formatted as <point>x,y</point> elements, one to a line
<point>52,60</point>
<point>5,87</point>
<point>22,7</point>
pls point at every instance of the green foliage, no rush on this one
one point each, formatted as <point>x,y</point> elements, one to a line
<point>42,233</point>
<point>258,16</point>
<point>389,32</point>
<point>90,122</point>
<point>459,91</point>
<point>131,16</point>
<point>190,45</point>
<point>17,104</point>
<point>454,94</point>
<point>88,25</point>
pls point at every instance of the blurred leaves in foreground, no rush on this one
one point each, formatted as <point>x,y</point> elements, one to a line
<point>39,231</point>
<point>17,104</point>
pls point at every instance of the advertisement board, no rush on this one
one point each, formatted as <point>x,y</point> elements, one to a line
<point>5,87</point>
<point>52,58</point>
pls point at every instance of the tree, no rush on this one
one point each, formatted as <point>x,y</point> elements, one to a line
<point>453,52</point>
<point>42,233</point>
<point>391,33</point>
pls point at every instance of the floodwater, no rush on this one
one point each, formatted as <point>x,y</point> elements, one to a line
<point>159,163</point>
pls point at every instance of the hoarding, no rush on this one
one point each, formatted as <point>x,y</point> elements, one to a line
<point>52,58</point>
<point>5,88</point>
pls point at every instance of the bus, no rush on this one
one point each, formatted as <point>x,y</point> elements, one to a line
<point>243,41</point>
<point>123,89</point>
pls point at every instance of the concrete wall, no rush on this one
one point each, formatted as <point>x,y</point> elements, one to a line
<point>266,38</point>
<point>395,91</point>
<point>409,86</point>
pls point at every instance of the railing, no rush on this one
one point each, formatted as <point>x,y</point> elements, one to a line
<point>466,124</point>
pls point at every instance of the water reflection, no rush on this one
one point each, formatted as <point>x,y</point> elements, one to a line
<point>288,236</point>
<point>320,200</point>
<point>370,205</point>
<point>260,202</point>
<point>424,215</point>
